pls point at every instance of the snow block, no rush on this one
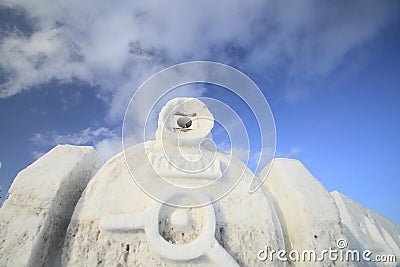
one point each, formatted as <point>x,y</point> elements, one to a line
<point>34,218</point>
<point>106,228</point>
<point>368,230</point>
<point>307,212</point>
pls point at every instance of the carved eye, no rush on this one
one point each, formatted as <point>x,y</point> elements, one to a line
<point>184,122</point>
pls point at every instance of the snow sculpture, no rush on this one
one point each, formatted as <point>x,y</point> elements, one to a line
<point>116,223</point>
<point>115,214</point>
<point>42,198</point>
<point>184,126</point>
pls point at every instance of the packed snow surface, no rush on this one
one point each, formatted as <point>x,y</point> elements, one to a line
<point>34,218</point>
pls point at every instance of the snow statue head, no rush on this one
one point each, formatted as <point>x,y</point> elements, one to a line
<point>186,121</point>
<point>183,151</point>
<point>184,143</point>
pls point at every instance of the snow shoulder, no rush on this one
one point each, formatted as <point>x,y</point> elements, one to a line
<point>307,212</point>
<point>367,229</point>
<point>41,200</point>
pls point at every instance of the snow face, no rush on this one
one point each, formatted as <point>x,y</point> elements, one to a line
<point>184,121</point>
<point>34,218</point>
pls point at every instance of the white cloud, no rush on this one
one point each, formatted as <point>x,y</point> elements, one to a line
<point>37,154</point>
<point>256,160</point>
<point>294,151</point>
<point>293,94</point>
<point>117,46</point>
<point>84,137</point>
<point>108,147</point>
<point>37,59</point>
<point>107,142</point>
<point>241,153</point>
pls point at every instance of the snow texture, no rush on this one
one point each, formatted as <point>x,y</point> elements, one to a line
<point>307,210</point>
<point>34,218</point>
<point>366,229</point>
<point>239,230</point>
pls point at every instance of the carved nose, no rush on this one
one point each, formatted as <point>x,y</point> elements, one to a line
<point>184,122</point>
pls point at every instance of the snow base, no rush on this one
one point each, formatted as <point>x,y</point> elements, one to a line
<point>34,218</point>
<point>240,231</point>
<point>293,211</point>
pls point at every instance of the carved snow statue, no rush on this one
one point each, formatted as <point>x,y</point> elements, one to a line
<point>170,220</point>
<point>178,201</point>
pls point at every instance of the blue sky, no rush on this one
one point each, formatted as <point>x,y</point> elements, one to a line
<point>329,70</point>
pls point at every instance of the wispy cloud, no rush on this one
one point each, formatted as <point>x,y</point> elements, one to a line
<point>84,137</point>
<point>116,47</point>
<point>37,154</point>
<point>294,151</point>
<point>107,142</point>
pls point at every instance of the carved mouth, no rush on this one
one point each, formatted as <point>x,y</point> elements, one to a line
<point>182,129</point>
